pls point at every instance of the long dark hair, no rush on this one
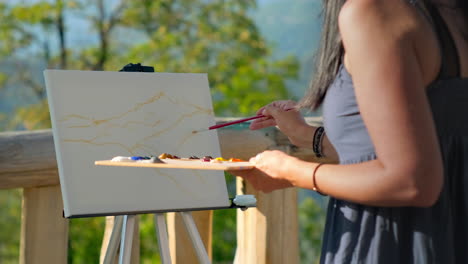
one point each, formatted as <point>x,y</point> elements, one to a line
<point>328,57</point>
<point>330,53</point>
<point>461,8</point>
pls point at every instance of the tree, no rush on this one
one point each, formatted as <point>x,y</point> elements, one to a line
<point>22,32</point>
<point>217,37</point>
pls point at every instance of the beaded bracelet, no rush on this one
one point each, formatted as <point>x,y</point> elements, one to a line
<point>314,182</point>
<point>317,141</point>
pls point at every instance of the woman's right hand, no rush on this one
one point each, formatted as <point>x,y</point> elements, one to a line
<point>288,119</point>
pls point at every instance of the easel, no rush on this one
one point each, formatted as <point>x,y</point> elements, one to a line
<point>125,225</point>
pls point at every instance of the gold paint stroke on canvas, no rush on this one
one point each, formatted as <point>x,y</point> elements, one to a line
<point>139,144</point>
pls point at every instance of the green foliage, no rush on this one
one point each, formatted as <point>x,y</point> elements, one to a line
<point>32,117</point>
<point>149,252</point>
<point>3,78</point>
<point>19,24</point>
<point>85,240</point>
<point>38,13</point>
<point>311,222</point>
<point>10,201</point>
<point>224,228</point>
<point>224,235</point>
<point>216,37</point>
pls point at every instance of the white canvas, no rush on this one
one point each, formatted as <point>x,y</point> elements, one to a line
<point>99,115</point>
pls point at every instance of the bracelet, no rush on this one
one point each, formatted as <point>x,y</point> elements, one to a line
<point>317,141</point>
<point>314,182</point>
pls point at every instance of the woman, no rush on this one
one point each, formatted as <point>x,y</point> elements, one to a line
<point>392,78</point>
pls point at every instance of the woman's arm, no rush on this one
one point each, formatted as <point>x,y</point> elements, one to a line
<point>382,42</point>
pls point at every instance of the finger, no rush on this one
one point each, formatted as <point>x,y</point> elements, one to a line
<point>258,156</point>
<point>257,164</point>
<point>272,111</point>
<point>275,104</point>
<point>288,105</point>
<point>254,159</point>
<point>260,111</point>
<point>277,112</point>
<point>284,104</point>
<point>258,124</point>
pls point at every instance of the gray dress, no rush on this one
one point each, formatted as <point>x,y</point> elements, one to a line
<point>356,233</point>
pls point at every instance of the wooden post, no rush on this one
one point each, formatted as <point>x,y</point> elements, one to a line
<point>27,159</point>
<point>179,242</point>
<point>268,233</point>
<point>44,231</point>
<point>251,233</point>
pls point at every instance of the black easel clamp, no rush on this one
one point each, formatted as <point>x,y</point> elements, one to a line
<point>136,68</point>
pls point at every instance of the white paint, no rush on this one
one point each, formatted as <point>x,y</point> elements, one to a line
<point>245,200</point>
<point>122,159</point>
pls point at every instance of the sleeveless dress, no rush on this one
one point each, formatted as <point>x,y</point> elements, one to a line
<point>356,233</point>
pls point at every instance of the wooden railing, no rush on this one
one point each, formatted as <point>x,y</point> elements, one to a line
<point>266,234</point>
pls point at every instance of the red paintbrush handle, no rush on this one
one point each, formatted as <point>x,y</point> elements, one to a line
<point>239,121</point>
<point>235,122</point>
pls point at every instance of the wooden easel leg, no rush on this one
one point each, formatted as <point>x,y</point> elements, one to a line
<point>163,240</point>
<point>195,237</point>
<point>114,240</point>
<point>128,227</point>
<point>236,257</point>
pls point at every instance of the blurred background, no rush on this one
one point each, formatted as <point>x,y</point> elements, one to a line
<point>253,51</point>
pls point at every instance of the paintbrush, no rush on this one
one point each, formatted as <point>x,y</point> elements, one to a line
<point>228,124</point>
<point>231,123</point>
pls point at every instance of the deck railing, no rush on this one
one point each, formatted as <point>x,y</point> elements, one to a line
<point>265,234</point>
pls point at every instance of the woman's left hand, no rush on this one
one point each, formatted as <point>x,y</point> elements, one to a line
<point>268,174</point>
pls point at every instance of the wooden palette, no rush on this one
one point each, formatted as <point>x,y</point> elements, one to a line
<point>181,164</point>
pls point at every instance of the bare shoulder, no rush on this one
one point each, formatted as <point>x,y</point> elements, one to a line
<point>385,16</point>
<point>394,24</point>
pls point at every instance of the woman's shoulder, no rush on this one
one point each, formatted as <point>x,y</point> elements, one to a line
<point>392,23</point>
<point>385,14</point>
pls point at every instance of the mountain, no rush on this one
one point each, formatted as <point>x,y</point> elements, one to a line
<point>292,27</point>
